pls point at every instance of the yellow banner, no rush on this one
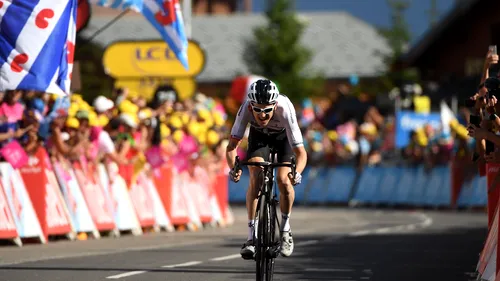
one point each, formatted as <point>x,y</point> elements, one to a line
<point>151,59</point>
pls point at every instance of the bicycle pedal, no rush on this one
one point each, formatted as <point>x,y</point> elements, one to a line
<point>273,252</point>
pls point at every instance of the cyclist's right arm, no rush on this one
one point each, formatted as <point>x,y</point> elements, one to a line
<point>237,133</point>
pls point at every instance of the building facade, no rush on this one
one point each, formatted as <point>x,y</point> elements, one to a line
<point>453,52</point>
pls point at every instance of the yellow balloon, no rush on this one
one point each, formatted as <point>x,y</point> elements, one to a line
<point>185,118</point>
<point>212,137</point>
<point>175,122</point>
<point>193,128</point>
<point>102,120</point>
<point>164,130</point>
<point>178,136</point>
<point>129,107</point>
<point>72,123</point>
<point>218,119</point>
<point>332,135</point>
<point>93,120</point>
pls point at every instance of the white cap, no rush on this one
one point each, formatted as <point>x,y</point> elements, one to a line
<point>128,120</point>
<point>102,104</point>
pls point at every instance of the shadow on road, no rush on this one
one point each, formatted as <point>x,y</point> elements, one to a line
<point>451,255</point>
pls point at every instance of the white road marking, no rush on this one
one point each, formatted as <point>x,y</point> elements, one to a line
<point>306,243</point>
<point>329,269</point>
<point>108,252</point>
<point>191,263</point>
<point>225,258</point>
<point>425,221</point>
<point>126,274</point>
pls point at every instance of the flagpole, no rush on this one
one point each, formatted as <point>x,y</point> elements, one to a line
<point>187,12</point>
<point>106,26</point>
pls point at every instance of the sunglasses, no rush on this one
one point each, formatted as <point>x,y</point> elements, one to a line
<point>266,110</point>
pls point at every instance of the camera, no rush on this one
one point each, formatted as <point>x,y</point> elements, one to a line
<point>492,85</point>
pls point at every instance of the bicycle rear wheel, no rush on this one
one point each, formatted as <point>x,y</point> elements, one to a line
<point>260,247</point>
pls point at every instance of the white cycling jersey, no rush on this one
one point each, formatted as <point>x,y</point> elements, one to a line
<point>284,118</point>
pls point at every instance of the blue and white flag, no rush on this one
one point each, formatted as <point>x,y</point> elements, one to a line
<point>37,44</point>
<point>135,5</point>
<point>166,17</point>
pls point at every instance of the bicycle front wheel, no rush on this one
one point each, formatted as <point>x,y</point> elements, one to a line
<point>261,247</point>
<point>271,240</point>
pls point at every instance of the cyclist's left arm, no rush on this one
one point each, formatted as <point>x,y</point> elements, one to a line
<point>294,136</point>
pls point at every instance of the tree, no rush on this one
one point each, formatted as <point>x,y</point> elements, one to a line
<point>276,53</point>
<point>398,37</point>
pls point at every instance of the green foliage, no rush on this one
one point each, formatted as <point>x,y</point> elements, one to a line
<point>398,37</point>
<point>94,80</point>
<point>276,53</point>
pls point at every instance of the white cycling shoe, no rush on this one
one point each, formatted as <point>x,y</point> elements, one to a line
<point>286,248</point>
<point>247,251</point>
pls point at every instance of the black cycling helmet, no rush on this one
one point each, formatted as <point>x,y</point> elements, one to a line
<point>263,91</point>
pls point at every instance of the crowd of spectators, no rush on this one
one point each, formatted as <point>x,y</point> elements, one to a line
<point>122,128</point>
<point>341,128</point>
<point>349,129</point>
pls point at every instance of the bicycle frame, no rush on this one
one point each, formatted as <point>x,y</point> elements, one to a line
<point>267,248</point>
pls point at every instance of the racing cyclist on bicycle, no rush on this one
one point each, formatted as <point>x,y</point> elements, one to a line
<point>273,123</point>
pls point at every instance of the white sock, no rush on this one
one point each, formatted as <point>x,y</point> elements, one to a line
<point>256,223</point>
<point>252,228</point>
<point>285,222</point>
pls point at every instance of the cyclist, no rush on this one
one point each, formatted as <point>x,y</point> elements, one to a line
<point>273,123</point>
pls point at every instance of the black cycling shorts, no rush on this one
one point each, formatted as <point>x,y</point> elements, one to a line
<point>259,145</point>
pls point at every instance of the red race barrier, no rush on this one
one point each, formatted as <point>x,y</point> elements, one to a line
<point>45,194</point>
<point>197,186</point>
<point>94,196</point>
<point>142,201</point>
<point>493,186</point>
<point>170,194</point>
<point>490,245</point>
<point>220,186</point>
<point>8,228</point>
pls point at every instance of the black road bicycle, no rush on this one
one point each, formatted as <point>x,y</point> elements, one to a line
<point>267,246</point>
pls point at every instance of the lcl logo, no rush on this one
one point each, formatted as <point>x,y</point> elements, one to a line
<point>154,54</point>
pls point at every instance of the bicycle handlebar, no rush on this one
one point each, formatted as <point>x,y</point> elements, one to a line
<point>292,165</point>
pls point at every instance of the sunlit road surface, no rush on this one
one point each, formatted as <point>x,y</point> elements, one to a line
<point>330,244</point>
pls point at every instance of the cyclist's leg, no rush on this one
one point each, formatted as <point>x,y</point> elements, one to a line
<point>287,194</point>
<point>257,151</point>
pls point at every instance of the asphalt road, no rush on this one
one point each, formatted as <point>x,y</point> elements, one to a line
<point>331,244</point>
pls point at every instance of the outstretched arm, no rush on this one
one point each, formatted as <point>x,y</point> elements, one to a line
<point>231,151</point>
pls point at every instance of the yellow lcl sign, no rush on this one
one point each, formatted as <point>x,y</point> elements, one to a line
<point>151,59</point>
